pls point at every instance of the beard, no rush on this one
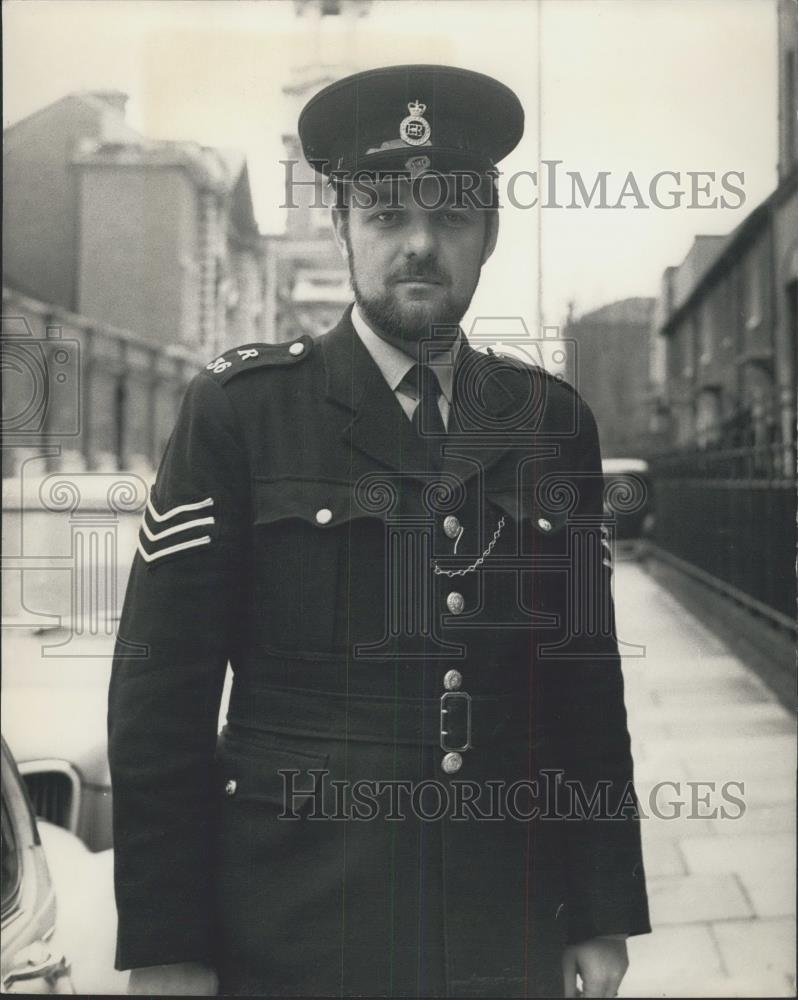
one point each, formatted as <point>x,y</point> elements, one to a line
<point>410,322</point>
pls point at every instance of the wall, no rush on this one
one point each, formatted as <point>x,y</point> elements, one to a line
<point>731,355</point>
<point>613,373</point>
<point>40,218</point>
<point>137,244</point>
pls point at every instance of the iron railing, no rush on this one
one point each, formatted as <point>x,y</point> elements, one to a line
<point>731,514</point>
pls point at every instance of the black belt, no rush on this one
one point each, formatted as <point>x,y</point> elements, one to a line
<point>454,721</point>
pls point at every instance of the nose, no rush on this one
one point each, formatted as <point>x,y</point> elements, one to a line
<point>420,240</point>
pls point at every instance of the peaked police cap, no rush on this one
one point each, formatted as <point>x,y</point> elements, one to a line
<point>409,119</point>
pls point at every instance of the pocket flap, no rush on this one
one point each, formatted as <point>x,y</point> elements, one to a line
<point>322,503</point>
<point>277,775</point>
<point>520,507</point>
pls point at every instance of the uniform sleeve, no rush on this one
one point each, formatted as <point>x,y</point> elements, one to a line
<point>174,640</point>
<point>607,892</point>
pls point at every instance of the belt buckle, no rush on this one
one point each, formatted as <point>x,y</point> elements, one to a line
<point>449,707</point>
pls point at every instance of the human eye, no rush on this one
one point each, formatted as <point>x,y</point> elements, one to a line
<point>385,217</point>
<point>456,218</point>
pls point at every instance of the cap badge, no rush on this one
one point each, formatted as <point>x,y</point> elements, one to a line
<point>415,130</point>
<point>417,165</point>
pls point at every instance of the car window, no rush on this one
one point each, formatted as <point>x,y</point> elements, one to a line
<point>10,863</point>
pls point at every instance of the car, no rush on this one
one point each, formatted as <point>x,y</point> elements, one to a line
<point>629,502</point>
<point>58,917</point>
<point>54,717</point>
<point>54,712</point>
<point>30,960</point>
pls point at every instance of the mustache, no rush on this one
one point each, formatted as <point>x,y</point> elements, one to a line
<point>424,272</point>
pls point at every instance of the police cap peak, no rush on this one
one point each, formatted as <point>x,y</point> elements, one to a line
<point>408,119</point>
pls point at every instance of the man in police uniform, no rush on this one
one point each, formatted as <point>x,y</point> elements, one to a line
<point>397,543</point>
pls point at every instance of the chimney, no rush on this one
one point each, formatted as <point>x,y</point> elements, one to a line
<point>116,98</point>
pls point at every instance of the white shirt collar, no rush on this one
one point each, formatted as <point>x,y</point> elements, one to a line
<point>395,364</point>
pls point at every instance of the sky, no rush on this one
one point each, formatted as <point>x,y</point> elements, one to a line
<point>619,86</point>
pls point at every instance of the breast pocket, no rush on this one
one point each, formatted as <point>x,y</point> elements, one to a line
<point>541,540</point>
<point>319,561</point>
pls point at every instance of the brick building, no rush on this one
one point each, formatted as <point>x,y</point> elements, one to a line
<point>40,206</point>
<point>154,237</point>
<point>725,361</point>
<point>730,334</point>
<point>724,350</point>
<point>612,350</point>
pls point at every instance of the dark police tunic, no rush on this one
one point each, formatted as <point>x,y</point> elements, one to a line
<point>299,529</point>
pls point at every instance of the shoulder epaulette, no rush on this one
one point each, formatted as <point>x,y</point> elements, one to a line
<point>249,356</point>
<point>557,377</point>
<point>528,366</point>
<point>510,360</point>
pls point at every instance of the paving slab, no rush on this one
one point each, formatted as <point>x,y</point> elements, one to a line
<point>751,854</point>
<point>766,985</point>
<point>757,947</point>
<point>772,891</point>
<point>654,828</point>
<point>670,953</point>
<point>691,899</point>
<point>663,857</point>
<point>778,817</point>
<point>736,757</point>
<point>733,721</point>
<point>716,692</point>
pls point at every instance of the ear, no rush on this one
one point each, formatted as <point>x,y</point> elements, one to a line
<point>340,221</point>
<point>491,235</point>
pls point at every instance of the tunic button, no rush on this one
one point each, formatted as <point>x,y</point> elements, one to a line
<point>230,787</point>
<point>544,524</point>
<point>452,680</point>
<point>452,762</point>
<point>451,526</point>
<point>455,603</point>
<point>324,516</point>
<point>296,348</point>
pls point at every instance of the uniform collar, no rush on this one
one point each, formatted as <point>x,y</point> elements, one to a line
<point>380,428</point>
<point>395,363</point>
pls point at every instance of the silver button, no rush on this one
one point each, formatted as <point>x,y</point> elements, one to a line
<point>296,348</point>
<point>451,526</point>
<point>455,603</point>
<point>452,762</point>
<point>324,516</point>
<point>452,680</point>
<point>230,787</point>
<point>544,524</point>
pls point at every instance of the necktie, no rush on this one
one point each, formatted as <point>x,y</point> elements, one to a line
<point>427,418</point>
<point>427,421</point>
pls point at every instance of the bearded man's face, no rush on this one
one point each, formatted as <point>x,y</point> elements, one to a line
<point>414,267</point>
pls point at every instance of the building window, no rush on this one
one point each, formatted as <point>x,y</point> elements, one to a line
<point>688,347</point>
<point>752,293</point>
<point>704,335</point>
<point>707,423</point>
<point>791,102</point>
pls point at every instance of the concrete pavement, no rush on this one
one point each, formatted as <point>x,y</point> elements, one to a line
<point>721,889</point>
